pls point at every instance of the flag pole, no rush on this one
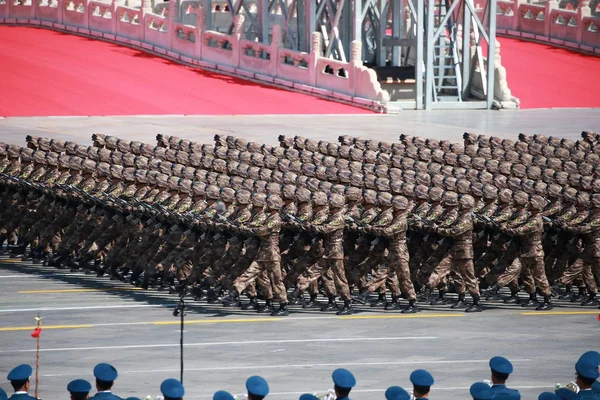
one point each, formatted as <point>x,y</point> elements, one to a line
<point>37,353</point>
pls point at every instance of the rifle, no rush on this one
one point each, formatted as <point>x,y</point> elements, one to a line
<point>360,224</point>
<point>425,221</point>
<point>487,220</point>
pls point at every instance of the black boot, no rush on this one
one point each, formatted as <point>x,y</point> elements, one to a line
<point>546,305</point>
<point>282,311</point>
<point>312,302</point>
<point>412,307</point>
<point>252,305</point>
<point>441,299</point>
<point>380,301</point>
<point>460,303</point>
<point>295,297</point>
<point>579,296</point>
<point>347,309</point>
<point>591,301</point>
<point>476,306</point>
<point>198,293</point>
<point>532,302</point>
<point>330,306</point>
<point>514,298</point>
<point>267,308</point>
<point>568,293</point>
<point>362,297</point>
<point>231,299</point>
<point>424,294</point>
<point>393,305</point>
<point>492,293</point>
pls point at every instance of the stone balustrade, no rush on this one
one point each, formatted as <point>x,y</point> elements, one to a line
<point>576,29</point>
<point>163,33</point>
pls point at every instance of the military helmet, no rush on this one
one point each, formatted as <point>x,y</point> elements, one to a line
<point>537,202</point>
<point>505,196</point>
<point>490,192</point>
<point>370,196</point>
<point>595,200</point>
<point>319,198</point>
<point>521,198</point>
<point>435,194</point>
<point>384,199</point>
<point>353,193</point>
<point>274,202</point>
<point>541,188</point>
<point>400,202</point>
<point>339,189</point>
<point>466,201</point>
<point>450,199</point>
<point>337,200</point>
<point>408,190</point>
<point>477,189</point>
<point>259,199</point>
<point>422,192</point>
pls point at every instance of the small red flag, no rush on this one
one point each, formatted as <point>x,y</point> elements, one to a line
<point>598,317</point>
<point>36,332</point>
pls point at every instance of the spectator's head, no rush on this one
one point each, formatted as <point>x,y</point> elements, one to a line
<point>481,391</point>
<point>257,388</point>
<point>3,395</point>
<point>422,382</point>
<point>587,369</point>
<point>565,394</point>
<point>172,389</point>
<point>223,395</point>
<point>79,389</point>
<point>307,396</point>
<point>343,382</point>
<point>396,393</point>
<point>20,377</point>
<point>501,369</point>
<point>106,375</point>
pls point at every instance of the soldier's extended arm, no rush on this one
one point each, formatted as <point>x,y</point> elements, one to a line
<point>584,228</point>
<point>461,226</point>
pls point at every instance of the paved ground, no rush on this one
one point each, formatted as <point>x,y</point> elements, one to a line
<point>449,125</point>
<point>89,320</point>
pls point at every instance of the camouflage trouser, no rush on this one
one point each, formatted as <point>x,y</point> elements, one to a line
<point>386,275</point>
<point>173,239</point>
<point>429,245</point>
<point>358,256</point>
<point>370,264</point>
<point>506,259</point>
<point>536,265</point>
<point>463,268</point>
<point>582,267</point>
<point>273,269</point>
<point>400,263</point>
<point>510,274</point>
<point>433,261</point>
<point>327,269</point>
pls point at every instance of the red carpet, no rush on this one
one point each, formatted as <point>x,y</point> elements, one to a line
<point>46,73</point>
<point>542,76</point>
<point>49,73</point>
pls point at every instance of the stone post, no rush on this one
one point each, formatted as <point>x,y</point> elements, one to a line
<point>276,44</point>
<point>583,11</point>
<point>550,5</point>
<point>316,51</point>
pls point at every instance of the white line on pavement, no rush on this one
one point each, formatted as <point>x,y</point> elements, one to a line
<point>300,366</point>
<point>238,343</point>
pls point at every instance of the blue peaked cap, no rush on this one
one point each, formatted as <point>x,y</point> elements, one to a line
<point>79,386</point>
<point>420,377</point>
<point>105,372</point>
<point>343,378</point>
<point>548,396</point>
<point>307,396</point>
<point>20,373</point>
<point>396,393</point>
<point>172,388</point>
<point>501,365</point>
<point>222,395</point>
<point>257,385</point>
<point>481,391</point>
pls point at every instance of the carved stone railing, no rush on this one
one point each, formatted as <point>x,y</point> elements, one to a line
<point>547,23</point>
<point>164,34</point>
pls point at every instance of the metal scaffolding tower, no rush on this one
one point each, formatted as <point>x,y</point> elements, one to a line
<point>429,54</point>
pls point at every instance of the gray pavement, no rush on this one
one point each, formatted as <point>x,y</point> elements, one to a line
<point>448,125</point>
<point>89,320</point>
